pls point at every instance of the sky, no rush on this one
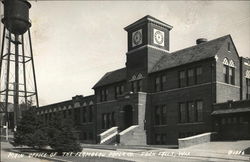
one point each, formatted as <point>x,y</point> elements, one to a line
<point>76,42</point>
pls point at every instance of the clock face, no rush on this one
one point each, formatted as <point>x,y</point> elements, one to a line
<point>158,37</point>
<point>137,38</point>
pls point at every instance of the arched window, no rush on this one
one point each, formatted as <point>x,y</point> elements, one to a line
<point>229,71</point>
<point>226,70</point>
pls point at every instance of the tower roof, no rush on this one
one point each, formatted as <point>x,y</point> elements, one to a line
<point>148,18</point>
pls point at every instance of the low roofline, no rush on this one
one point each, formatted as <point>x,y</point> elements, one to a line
<point>63,102</point>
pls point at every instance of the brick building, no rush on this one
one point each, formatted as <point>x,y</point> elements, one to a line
<point>160,96</point>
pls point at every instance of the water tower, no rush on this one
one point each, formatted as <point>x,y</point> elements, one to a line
<point>18,87</point>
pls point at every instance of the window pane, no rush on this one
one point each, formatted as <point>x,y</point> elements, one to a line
<point>90,113</point>
<point>139,85</point>
<point>191,77</point>
<point>191,112</point>
<point>190,72</point>
<point>164,78</point>
<point>157,115</point>
<point>199,71</point>
<point>182,74</point>
<point>199,110</point>
<point>198,75</point>
<point>135,86</point>
<point>122,89</point>
<point>182,115</point>
<point>164,115</point>
<point>182,80</point>
<point>232,75</point>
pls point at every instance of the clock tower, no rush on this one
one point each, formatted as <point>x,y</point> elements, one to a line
<point>148,41</point>
<point>148,31</point>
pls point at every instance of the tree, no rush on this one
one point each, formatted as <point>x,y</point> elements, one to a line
<point>61,135</point>
<point>30,131</point>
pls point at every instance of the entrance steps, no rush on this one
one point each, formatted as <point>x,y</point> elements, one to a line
<point>108,136</point>
<point>133,135</point>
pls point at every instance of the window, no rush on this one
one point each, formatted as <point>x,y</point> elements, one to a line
<point>84,115</point>
<point>90,113</point>
<point>223,121</point>
<point>69,113</point>
<point>182,113</point>
<point>228,47</point>
<point>159,82</point>
<point>108,120</point>
<point>136,86</point>
<point>191,112</point>
<point>90,135</point>
<point>229,71</point>
<point>157,139</point>
<point>113,119</point>
<point>157,115</point>
<point>164,115</point>
<point>84,136</point>
<point>119,90</point>
<point>182,79</point>
<point>199,105</point>
<point>64,113</point>
<point>248,88</point>
<point>160,115</point>
<point>225,73</point>
<point>160,139</point>
<point>232,75</point>
<point>104,94</point>
<point>191,78</point>
<point>77,115</point>
<point>198,75</point>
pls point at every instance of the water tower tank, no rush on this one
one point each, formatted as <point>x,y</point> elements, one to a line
<point>16,16</point>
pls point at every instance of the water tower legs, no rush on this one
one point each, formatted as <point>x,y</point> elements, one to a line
<point>14,62</point>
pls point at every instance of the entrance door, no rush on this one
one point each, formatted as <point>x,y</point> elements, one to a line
<point>128,116</point>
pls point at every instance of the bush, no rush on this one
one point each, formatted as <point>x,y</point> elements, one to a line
<point>61,135</point>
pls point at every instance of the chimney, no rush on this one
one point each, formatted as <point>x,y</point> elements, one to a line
<point>201,40</point>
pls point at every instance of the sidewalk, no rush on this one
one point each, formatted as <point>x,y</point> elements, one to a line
<point>213,151</point>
